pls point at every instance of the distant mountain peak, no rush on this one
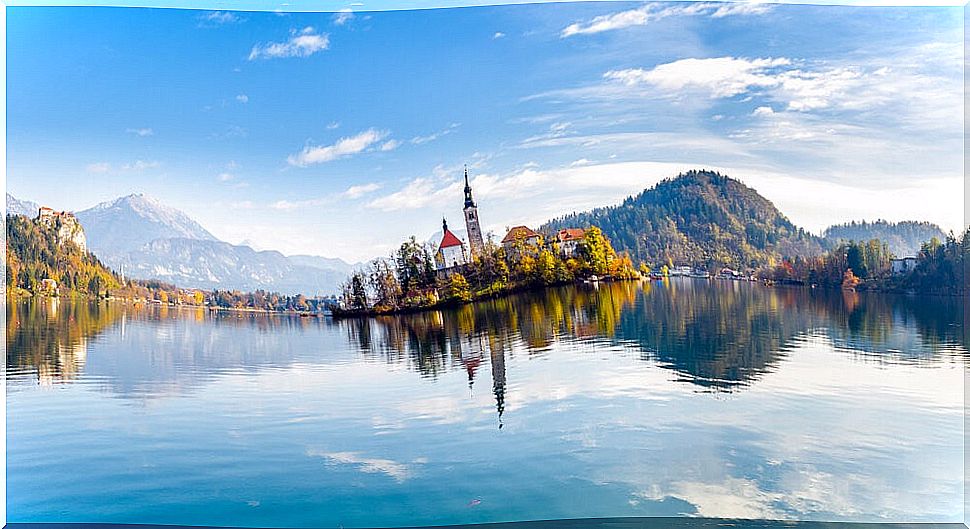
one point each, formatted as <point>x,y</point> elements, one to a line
<point>125,224</point>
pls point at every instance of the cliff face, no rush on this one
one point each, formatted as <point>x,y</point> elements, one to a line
<point>65,226</point>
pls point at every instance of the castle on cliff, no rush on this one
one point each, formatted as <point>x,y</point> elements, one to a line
<point>65,226</point>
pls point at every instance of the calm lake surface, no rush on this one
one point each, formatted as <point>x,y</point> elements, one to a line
<point>683,397</point>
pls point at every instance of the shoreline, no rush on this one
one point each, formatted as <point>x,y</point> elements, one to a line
<point>128,301</point>
<point>373,312</point>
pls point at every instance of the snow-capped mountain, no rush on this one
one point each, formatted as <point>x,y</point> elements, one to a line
<point>16,206</point>
<point>123,225</point>
<point>147,239</point>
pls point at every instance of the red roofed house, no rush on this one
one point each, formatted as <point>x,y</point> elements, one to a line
<point>451,251</point>
<point>569,240</point>
<point>521,233</point>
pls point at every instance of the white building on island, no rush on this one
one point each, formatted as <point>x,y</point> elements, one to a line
<point>451,252</point>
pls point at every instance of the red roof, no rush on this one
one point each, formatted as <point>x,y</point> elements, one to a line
<point>571,234</point>
<point>519,231</point>
<point>449,240</point>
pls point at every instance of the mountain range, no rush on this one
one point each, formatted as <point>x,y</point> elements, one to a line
<point>700,218</point>
<point>146,239</point>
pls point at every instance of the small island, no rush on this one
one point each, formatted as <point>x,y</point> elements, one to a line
<point>420,277</point>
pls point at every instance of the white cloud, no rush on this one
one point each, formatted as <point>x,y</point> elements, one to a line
<point>242,98</point>
<point>287,205</point>
<point>390,145</point>
<point>652,12</point>
<point>361,190</point>
<point>140,165</point>
<point>98,167</point>
<point>763,111</point>
<point>719,77</point>
<point>225,177</point>
<point>302,43</point>
<point>143,132</point>
<point>342,17</point>
<point>218,18</point>
<point>498,35</point>
<point>333,125</point>
<point>419,140</point>
<point>344,147</point>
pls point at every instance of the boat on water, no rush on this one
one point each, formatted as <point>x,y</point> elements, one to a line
<point>700,275</point>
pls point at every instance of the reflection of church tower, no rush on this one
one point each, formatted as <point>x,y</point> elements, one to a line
<point>498,380</point>
<point>475,242</point>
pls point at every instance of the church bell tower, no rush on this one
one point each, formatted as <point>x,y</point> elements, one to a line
<point>475,242</point>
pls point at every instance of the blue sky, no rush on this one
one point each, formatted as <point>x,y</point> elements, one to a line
<point>340,134</point>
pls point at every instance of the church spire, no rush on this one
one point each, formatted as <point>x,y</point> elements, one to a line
<point>469,202</point>
<point>444,224</point>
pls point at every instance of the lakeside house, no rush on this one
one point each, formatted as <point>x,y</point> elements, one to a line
<point>569,240</point>
<point>526,235</point>
<point>902,265</point>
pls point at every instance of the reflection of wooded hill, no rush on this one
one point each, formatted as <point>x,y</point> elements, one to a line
<point>894,326</point>
<point>717,334</point>
<point>721,334</point>
<point>54,343</point>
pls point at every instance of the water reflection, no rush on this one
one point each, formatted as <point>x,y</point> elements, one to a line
<point>716,335</point>
<point>719,336</point>
<point>579,401</point>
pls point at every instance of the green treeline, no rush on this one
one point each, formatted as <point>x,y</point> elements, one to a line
<point>34,255</point>
<point>939,268</point>
<point>38,264</point>
<point>903,238</point>
<point>409,280</point>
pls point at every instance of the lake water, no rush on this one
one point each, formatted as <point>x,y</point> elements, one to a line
<point>683,397</point>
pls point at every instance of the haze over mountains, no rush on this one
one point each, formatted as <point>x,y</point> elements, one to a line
<point>146,239</point>
<point>699,218</point>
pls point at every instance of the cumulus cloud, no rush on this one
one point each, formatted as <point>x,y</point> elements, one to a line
<point>498,35</point>
<point>302,43</point>
<point>797,85</point>
<point>314,154</point>
<point>652,12</point>
<point>390,145</point>
<point>142,132</point>
<point>242,98</point>
<point>720,77</point>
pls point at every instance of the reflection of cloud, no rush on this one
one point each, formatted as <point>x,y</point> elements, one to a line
<point>731,498</point>
<point>399,471</point>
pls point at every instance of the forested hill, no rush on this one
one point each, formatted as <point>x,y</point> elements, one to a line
<point>34,254</point>
<point>903,238</point>
<point>699,218</point>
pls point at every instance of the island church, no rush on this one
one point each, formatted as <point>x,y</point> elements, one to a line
<point>452,253</point>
